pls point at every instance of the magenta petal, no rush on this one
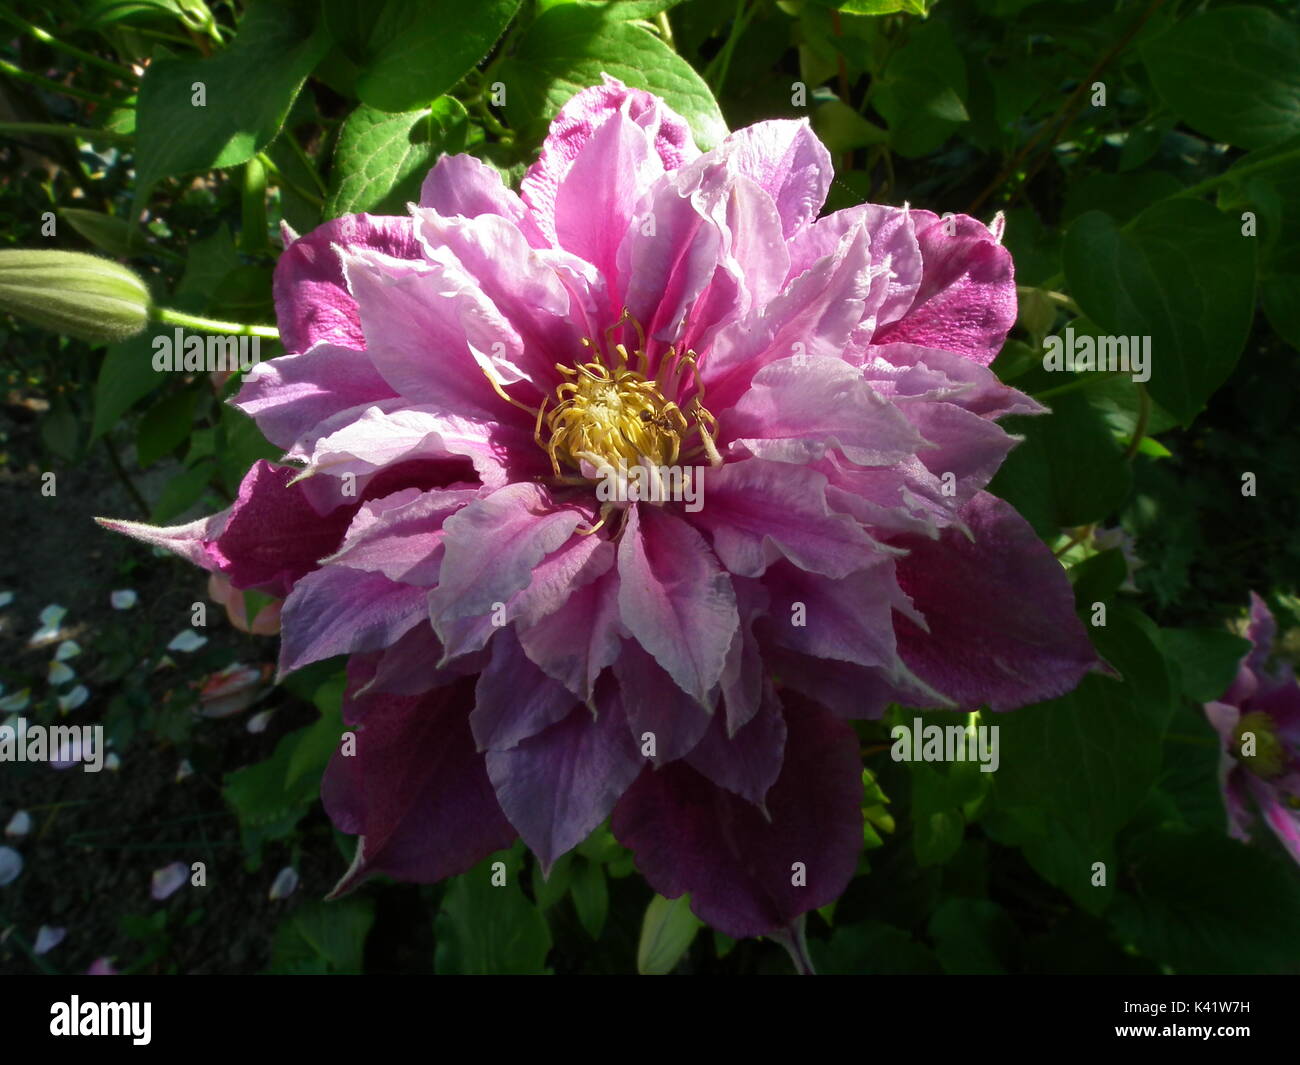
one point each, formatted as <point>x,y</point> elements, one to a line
<point>1000,612</point>
<point>416,790</point>
<point>758,511</point>
<point>663,720</point>
<point>492,547</point>
<point>311,301</point>
<point>786,160</point>
<point>741,869</point>
<point>749,762</point>
<point>596,201</point>
<point>797,409</point>
<point>578,121</point>
<point>560,784</point>
<point>289,396</point>
<point>337,610</point>
<point>466,186</point>
<point>574,643</point>
<point>274,535</point>
<point>514,700</point>
<point>967,299</point>
<point>675,598</point>
<point>191,541</point>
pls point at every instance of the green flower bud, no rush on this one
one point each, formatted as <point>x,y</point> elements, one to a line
<point>74,293</point>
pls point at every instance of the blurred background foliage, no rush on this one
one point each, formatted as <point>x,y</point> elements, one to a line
<point>1146,154</point>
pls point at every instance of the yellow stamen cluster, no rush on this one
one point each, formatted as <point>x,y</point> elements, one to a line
<point>1267,759</point>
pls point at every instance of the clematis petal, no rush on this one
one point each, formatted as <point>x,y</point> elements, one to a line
<point>967,299</point>
<point>675,598</point>
<point>749,762</point>
<point>312,302</point>
<point>747,874</point>
<point>337,610</point>
<point>1000,612</point>
<point>514,700</point>
<point>461,185</point>
<point>786,160</point>
<point>560,784</point>
<point>289,396</point>
<point>576,124</point>
<point>665,721</point>
<point>798,408</point>
<point>415,790</point>
<point>758,511</point>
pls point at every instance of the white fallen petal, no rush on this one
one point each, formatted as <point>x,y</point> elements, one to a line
<point>51,618</point>
<point>47,938</point>
<point>259,721</point>
<point>124,599</point>
<point>17,701</point>
<point>285,883</point>
<point>112,762</point>
<point>187,641</point>
<point>167,880</point>
<point>59,673</point>
<point>19,825</point>
<point>184,770</point>
<point>74,698</point>
<point>67,649</point>
<point>11,865</point>
<point>6,598</point>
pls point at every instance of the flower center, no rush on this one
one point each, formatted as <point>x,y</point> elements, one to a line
<point>1267,758</point>
<point>612,417</point>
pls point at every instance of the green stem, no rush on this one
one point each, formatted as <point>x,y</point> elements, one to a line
<point>48,38</point>
<point>665,29</point>
<point>19,74</point>
<point>1140,429</point>
<point>310,197</point>
<point>50,129</point>
<point>723,58</point>
<point>1234,173</point>
<point>252,230</point>
<point>306,161</point>
<point>1074,386</point>
<point>167,316</point>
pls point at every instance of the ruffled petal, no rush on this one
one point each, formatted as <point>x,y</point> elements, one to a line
<point>747,874</point>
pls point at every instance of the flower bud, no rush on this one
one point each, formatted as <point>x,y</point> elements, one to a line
<point>74,293</point>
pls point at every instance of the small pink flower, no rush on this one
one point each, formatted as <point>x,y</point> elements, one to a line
<point>1258,719</point>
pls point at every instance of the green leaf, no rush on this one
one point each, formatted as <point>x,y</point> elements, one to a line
<point>412,51</point>
<point>871,948</point>
<point>486,929</point>
<point>110,234</point>
<point>667,931</point>
<point>165,426</point>
<point>382,158</point>
<point>1180,273</point>
<point>922,91</point>
<point>1207,660</point>
<point>271,797</point>
<point>1232,73</point>
<point>590,896</point>
<point>568,48</point>
<point>974,937</point>
<point>323,937</point>
<point>125,376</point>
<point>1069,470</point>
<point>248,88</point>
<point>548,890</point>
<point>1203,903</point>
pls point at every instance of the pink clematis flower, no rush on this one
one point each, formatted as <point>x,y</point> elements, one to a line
<point>470,391</point>
<point>1258,719</point>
